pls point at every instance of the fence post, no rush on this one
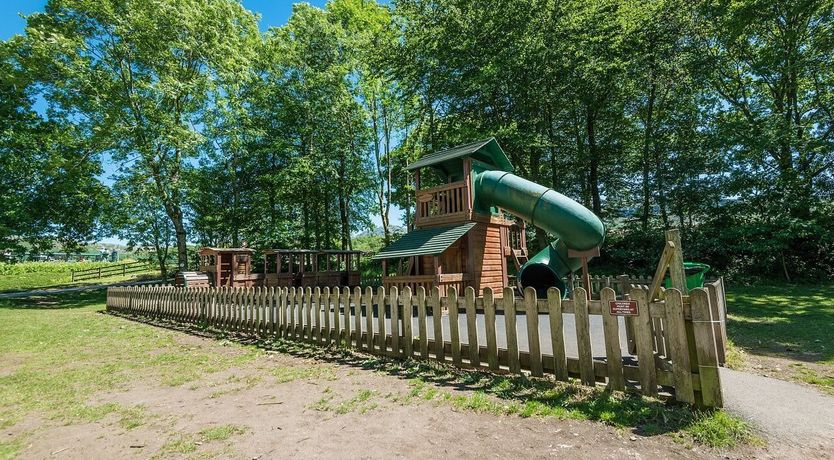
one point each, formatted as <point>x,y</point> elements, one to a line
<point>201,293</point>
<point>716,305</point>
<point>158,303</point>
<point>704,331</point>
<point>510,329</point>
<point>625,288</point>
<point>675,324</point>
<point>583,337</point>
<point>676,272</point>
<point>99,272</point>
<point>643,339</point>
<point>531,313</point>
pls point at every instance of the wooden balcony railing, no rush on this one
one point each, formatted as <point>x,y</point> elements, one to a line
<point>442,204</point>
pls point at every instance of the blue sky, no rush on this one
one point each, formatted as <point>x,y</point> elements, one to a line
<point>273,13</point>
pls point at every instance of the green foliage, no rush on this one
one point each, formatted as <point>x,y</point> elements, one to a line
<point>525,397</point>
<point>719,429</point>
<point>40,275</point>
<point>48,185</point>
<point>784,319</point>
<point>292,167</point>
<point>140,218</point>
<point>137,79</point>
<point>716,117</point>
<point>698,116</point>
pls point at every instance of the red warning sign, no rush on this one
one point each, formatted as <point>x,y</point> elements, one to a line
<point>623,307</point>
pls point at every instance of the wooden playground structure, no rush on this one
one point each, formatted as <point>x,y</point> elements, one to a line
<point>232,267</point>
<point>463,259</point>
<point>229,267</point>
<point>454,243</point>
<point>310,268</point>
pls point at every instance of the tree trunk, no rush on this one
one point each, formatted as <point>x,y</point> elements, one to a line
<point>182,248</point>
<point>648,134</point>
<point>386,215</point>
<point>344,223</point>
<point>593,167</point>
<point>163,267</point>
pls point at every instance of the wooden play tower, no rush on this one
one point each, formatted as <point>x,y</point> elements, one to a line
<point>455,242</point>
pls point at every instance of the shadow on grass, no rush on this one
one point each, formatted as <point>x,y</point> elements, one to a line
<point>61,301</point>
<point>511,394</point>
<point>789,321</point>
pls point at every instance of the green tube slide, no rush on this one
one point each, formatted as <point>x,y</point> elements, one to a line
<point>576,226</point>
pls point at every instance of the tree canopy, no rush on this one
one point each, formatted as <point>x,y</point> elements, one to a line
<point>716,117</point>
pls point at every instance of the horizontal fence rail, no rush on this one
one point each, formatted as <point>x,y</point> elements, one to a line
<point>508,334</point>
<point>113,270</point>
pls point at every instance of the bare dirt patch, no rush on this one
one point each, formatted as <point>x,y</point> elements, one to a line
<point>278,405</point>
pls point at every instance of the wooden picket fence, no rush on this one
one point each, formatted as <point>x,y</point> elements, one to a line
<point>622,285</point>
<point>373,322</point>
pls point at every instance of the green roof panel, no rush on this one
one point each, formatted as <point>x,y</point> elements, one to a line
<point>427,241</point>
<point>486,150</point>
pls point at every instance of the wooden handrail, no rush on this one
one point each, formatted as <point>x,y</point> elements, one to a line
<point>441,188</point>
<point>443,201</point>
<point>409,279</point>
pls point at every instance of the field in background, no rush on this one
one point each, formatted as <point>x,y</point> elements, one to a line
<point>41,275</point>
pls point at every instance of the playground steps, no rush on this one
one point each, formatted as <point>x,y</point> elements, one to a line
<point>519,258</point>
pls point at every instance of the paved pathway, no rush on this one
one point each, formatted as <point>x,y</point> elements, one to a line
<point>783,410</point>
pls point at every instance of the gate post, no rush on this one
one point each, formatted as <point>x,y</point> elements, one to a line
<point>705,350</point>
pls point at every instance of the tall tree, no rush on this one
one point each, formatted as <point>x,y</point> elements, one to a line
<point>140,219</point>
<point>48,183</point>
<point>136,76</point>
<point>371,37</point>
<point>772,71</point>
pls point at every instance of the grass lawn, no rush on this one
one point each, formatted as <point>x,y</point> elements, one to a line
<point>786,331</point>
<point>60,352</point>
<point>47,280</point>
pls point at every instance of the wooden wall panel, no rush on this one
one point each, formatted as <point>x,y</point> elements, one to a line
<point>490,264</point>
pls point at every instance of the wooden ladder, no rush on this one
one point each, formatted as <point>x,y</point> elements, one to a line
<point>519,258</point>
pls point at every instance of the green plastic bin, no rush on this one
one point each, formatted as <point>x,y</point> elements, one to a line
<point>695,274</point>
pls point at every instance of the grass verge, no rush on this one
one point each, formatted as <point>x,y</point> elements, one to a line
<point>789,325</point>
<point>44,275</point>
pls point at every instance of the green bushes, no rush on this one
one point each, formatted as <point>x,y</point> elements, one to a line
<point>742,246</point>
